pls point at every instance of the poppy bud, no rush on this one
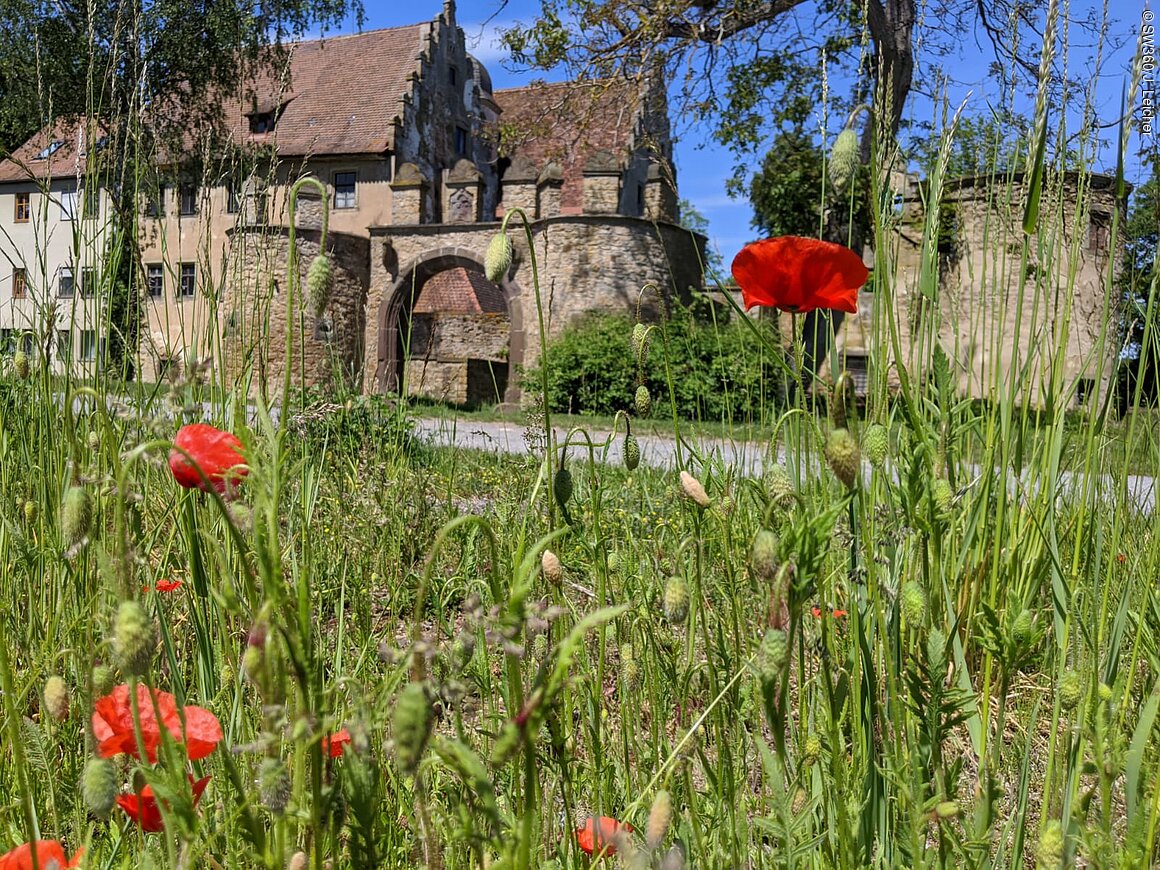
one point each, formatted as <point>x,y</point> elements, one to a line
<point>676,602</point>
<point>811,751</point>
<point>913,603</point>
<point>274,785</point>
<point>674,859</point>
<point>550,565</point>
<point>1070,691</point>
<point>498,259</point>
<point>631,452</point>
<point>1049,852</point>
<point>562,486</point>
<point>946,809</point>
<point>31,512</point>
<point>763,562</point>
<point>21,365</point>
<point>1104,691</point>
<point>99,786</point>
<point>56,698</point>
<point>640,342</point>
<point>103,680</point>
<point>76,515</point>
<point>942,496</point>
<point>253,662</point>
<point>94,439</point>
<point>319,284</point>
<point>540,647</point>
<point>773,654</point>
<point>844,159</point>
<point>298,861</point>
<point>876,444</point>
<point>780,487</point>
<point>659,819</point>
<point>642,401</point>
<point>629,667</point>
<point>411,726</point>
<point>843,456</point>
<point>134,639</point>
<point>693,490</point>
<point>1023,630</point>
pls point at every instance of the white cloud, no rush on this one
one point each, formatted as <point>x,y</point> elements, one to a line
<point>483,40</point>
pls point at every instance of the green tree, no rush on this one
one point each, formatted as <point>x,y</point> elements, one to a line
<point>150,73</point>
<point>693,219</point>
<point>1140,360</point>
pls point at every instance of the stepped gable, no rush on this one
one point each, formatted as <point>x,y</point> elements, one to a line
<point>568,123</point>
<point>338,95</point>
<point>458,291</point>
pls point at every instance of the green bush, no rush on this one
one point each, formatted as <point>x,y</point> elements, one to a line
<point>720,371</point>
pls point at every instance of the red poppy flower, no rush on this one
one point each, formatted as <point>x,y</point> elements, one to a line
<point>144,809</point>
<point>217,453</point>
<point>49,856</point>
<point>164,586</point>
<point>335,744</point>
<point>113,724</point>
<point>598,836</point>
<point>797,274</point>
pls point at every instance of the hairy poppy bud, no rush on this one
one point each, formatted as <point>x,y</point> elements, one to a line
<point>31,512</point>
<point>631,452</point>
<point>274,785</point>
<point>56,698</point>
<point>876,444</point>
<point>763,562</point>
<point>642,401</point>
<point>134,638</point>
<point>319,284</point>
<point>1070,691</point>
<point>498,259</point>
<point>1049,852</point>
<point>76,515</point>
<point>21,365</point>
<point>844,457</point>
<point>411,726</point>
<point>844,159</point>
<point>659,819</point>
<point>693,490</point>
<point>811,751</point>
<point>772,654</point>
<point>629,666</point>
<point>640,342</point>
<point>913,603</point>
<point>676,602</point>
<point>103,680</point>
<point>780,487</point>
<point>942,496</point>
<point>99,786</point>
<point>946,809</point>
<point>1023,630</point>
<point>550,565</point>
<point>562,485</point>
<point>674,859</point>
<point>540,647</point>
<point>299,861</point>
<point>94,439</point>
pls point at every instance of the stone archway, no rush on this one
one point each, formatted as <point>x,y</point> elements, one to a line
<point>396,312</point>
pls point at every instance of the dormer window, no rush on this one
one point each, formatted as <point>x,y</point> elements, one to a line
<point>261,122</point>
<point>50,150</point>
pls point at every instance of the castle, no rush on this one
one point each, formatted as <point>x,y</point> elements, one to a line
<point>420,158</point>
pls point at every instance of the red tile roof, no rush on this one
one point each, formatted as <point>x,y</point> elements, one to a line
<point>457,291</point>
<point>569,122</point>
<point>68,158</point>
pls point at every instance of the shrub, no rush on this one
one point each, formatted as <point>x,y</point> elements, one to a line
<point>720,371</point>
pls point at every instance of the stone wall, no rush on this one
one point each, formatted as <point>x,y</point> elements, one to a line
<point>460,336</point>
<point>326,350</point>
<point>458,382</point>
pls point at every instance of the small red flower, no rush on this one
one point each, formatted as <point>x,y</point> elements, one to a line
<point>335,744</point>
<point>816,611</point>
<point>217,453</point>
<point>821,613</point>
<point>49,856</point>
<point>144,809</point>
<point>798,274</point>
<point>113,724</point>
<point>165,586</point>
<point>598,836</point>
<point>1121,558</point>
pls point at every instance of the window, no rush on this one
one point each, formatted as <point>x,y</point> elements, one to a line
<point>188,281</point>
<point>63,344</point>
<point>155,203</point>
<point>155,279</point>
<point>857,366</point>
<point>261,122</point>
<point>1099,232</point>
<point>88,282</point>
<point>453,76</point>
<point>88,345</point>
<point>188,199</point>
<point>92,202</point>
<point>52,148</point>
<point>344,187</point>
<point>233,198</point>
<point>19,284</point>
<point>64,281</point>
<point>460,141</point>
<point>68,204</point>
<point>23,207</point>
<point>1084,389</point>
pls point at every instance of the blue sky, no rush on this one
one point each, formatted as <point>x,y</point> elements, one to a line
<point>704,166</point>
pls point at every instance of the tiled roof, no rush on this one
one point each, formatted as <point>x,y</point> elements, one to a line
<point>341,97</point>
<point>57,151</point>
<point>457,291</point>
<point>569,122</point>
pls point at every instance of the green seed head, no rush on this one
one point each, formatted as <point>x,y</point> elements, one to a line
<point>76,515</point>
<point>498,259</point>
<point>412,724</point>
<point>99,786</point>
<point>1070,691</point>
<point>56,698</point>
<point>643,401</point>
<point>763,556</point>
<point>659,819</point>
<point>134,639</point>
<point>631,452</point>
<point>562,485</point>
<point>104,679</point>
<point>1049,853</point>
<point>772,655</point>
<point>844,457</point>
<point>913,603</point>
<point>843,159</point>
<point>274,786</point>
<point>676,601</point>
<point>319,284</point>
<point>21,365</point>
<point>876,444</point>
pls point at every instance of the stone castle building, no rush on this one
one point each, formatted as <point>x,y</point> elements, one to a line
<point>420,158</point>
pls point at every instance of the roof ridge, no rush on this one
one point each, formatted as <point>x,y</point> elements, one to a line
<point>336,36</point>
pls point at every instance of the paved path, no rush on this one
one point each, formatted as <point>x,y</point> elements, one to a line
<point>659,451</point>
